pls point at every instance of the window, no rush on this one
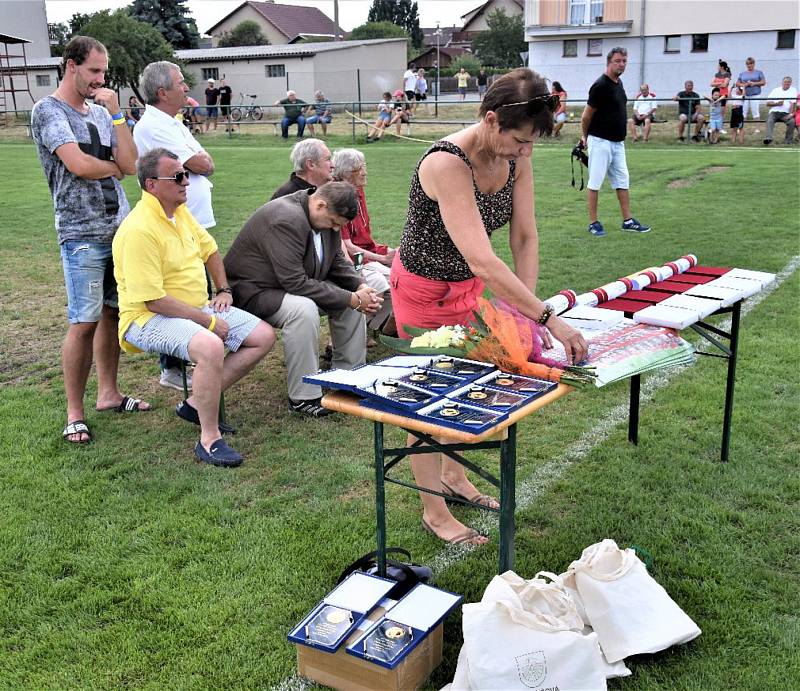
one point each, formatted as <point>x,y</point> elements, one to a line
<point>594,46</point>
<point>672,44</point>
<point>585,11</point>
<point>699,43</point>
<point>42,80</point>
<point>785,40</point>
<point>275,70</point>
<point>210,73</point>
<point>570,48</point>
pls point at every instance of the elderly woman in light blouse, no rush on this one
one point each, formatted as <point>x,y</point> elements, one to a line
<point>349,165</point>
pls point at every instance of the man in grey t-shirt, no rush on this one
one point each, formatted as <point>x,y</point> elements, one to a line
<point>85,150</point>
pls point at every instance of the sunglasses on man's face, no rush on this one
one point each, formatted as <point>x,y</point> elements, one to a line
<point>537,104</point>
<point>178,178</point>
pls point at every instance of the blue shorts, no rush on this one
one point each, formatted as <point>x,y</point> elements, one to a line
<point>211,111</point>
<point>383,115</point>
<point>89,279</point>
<point>314,119</point>
<point>171,335</point>
<point>716,122</point>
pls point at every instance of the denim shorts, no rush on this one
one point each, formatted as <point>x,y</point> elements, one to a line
<point>314,119</point>
<point>716,122</point>
<point>171,335</point>
<point>89,279</point>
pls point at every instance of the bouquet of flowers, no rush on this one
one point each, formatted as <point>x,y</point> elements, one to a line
<point>499,334</point>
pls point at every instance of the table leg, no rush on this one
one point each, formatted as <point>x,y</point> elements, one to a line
<point>633,414</point>
<point>734,345</point>
<point>380,500</point>
<point>508,469</point>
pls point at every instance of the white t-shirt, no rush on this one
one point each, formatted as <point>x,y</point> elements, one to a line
<point>409,80</point>
<point>157,129</point>
<point>644,104</point>
<point>789,95</point>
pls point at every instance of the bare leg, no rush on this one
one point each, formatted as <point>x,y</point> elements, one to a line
<point>647,125</point>
<point>632,129</point>
<point>624,204</point>
<point>207,351</point>
<point>252,350</point>
<point>681,126</point>
<point>76,361</point>
<point>427,470</point>
<point>591,198</point>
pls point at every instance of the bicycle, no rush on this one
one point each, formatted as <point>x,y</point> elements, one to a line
<point>243,111</point>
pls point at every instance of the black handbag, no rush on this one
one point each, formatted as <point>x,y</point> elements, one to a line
<point>407,575</point>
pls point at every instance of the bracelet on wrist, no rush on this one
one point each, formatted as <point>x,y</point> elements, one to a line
<point>224,289</point>
<point>546,314</point>
<point>212,323</point>
<point>360,303</point>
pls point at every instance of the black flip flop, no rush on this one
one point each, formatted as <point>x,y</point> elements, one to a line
<point>77,427</point>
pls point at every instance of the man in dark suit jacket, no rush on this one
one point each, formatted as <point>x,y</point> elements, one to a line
<point>286,266</point>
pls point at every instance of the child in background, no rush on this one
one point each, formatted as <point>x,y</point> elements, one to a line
<point>715,124</point>
<point>384,117</point>
<point>736,103</point>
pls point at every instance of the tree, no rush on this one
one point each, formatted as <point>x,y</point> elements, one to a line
<point>131,46</point>
<point>466,60</point>
<point>59,35</point>
<point>404,13</point>
<point>501,44</point>
<point>77,21</point>
<point>171,18</point>
<point>246,33</point>
<point>371,30</point>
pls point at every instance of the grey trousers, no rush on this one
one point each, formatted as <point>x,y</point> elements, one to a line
<point>786,118</point>
<point>298,320</point>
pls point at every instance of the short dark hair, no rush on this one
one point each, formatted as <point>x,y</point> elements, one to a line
<point>557,86</point>
<point>340,197</point>
<point>518,86</point>
<point>147,164</point>
<point>78,49</point>
<point>613,51</point>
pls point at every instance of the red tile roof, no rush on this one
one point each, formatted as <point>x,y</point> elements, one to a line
<point>290,20</point>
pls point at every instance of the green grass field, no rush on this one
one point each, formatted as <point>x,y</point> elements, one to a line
<point>124,564</point>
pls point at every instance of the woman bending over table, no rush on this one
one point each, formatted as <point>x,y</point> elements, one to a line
<point>466,186</point>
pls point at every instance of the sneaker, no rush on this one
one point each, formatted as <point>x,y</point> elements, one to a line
<point>173,379</point>
<point>767,142</point>
<point>597,229</point>
<point>219,454</point>
<point>311,408</point>
<point>696,138</point>
<point>634,226</point>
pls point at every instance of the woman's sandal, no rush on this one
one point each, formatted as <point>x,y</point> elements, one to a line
<point>465,539</point>
<point>77,427</point>
<point>480,499</point>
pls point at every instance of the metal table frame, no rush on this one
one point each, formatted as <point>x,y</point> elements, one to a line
<point>728,353</point>
<point>427,444</point>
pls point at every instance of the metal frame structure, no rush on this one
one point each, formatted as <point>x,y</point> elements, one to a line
<point>7,72</point>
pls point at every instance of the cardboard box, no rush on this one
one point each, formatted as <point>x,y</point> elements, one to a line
<point>345,672</point>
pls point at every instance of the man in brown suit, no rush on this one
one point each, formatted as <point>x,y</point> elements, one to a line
<point>286,266</point>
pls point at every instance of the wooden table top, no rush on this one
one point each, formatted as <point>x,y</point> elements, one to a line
<point>343,402</point>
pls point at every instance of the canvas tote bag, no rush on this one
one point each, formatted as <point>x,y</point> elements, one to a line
<point>627,609</point>
<point>527,635</point>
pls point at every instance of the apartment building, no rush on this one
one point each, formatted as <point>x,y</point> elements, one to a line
<point>668,41</point>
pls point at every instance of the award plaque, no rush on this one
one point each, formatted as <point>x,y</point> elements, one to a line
<point>329,625</point>
<point>459,367</point>
<point>430,380</point>
<point>387,641</point>
<point>490,398</point>
<point>401,393</point>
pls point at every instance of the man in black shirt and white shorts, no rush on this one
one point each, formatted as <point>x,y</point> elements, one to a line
<point>603,128</point>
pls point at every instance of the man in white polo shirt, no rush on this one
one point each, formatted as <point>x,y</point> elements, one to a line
<point>782,102</point>
<point>164,92</point>
<point>643,108</point>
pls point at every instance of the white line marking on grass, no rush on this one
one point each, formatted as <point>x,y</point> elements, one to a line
<point>544,476</point>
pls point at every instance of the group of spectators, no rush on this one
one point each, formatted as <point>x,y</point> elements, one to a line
<point>152,278</point>
<point>298,112</point>
<point>737,97</point>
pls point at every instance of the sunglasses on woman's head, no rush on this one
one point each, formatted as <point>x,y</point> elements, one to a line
<point>177,178</point>
<point>537,103</point>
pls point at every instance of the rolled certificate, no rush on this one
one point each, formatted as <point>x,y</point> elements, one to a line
<point>563,301</point>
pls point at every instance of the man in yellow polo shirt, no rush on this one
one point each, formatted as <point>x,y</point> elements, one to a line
<point>160,257</point>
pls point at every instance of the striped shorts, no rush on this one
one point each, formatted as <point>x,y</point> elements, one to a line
<point>171,335</point>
